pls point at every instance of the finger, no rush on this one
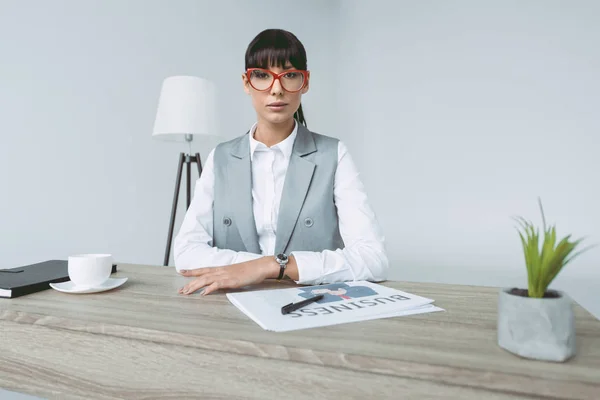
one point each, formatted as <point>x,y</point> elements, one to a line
<point>220,284</point>
<point>197,284</point>
<point>194,285</point>
<point>198,271</point>
<point>193,272</point>
<point>207,278</point>
<point>191,288</point>
<point>210,288</point>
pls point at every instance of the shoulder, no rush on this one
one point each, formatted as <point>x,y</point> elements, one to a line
<point>324,146</point>
<point>237,146</point>
<point>324,140</point>
<point>231,144</point>
<point>333,144</point>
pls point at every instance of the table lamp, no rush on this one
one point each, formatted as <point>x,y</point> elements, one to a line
<point>186,107</point>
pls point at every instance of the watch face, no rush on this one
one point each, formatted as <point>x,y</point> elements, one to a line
<point>281,257</point>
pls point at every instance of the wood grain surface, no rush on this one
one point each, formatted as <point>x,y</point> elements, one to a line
<point>72,365</point>
<point>453,349</point>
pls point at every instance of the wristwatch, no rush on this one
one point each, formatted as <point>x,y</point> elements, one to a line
<point>282,260</point>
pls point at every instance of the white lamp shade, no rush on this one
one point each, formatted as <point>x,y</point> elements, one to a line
<point>187,106</point>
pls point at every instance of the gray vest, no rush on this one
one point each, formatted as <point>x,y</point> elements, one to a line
<point>308,218</point>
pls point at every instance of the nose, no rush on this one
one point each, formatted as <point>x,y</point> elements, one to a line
<point>276,88</point>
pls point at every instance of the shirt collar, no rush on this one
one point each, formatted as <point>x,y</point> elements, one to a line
<point>285,146</point>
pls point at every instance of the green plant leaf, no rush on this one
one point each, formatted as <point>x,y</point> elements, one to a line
<point>544,260</point>
<point>542,211</point>
<point>546,256</point>
<point>580,252</point>
<point>534,256</point>
<point>526,243</point>
<point>557,262</point>
<point>527,261</point>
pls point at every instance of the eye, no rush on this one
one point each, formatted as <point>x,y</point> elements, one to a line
<point>292,75</point>
<point>259,75</point>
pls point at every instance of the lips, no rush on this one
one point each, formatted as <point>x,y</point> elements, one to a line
<point>277,104</point>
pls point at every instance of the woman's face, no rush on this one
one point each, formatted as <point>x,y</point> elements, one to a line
<point>275,105</point>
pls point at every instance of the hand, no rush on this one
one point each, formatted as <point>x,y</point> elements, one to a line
<point>231,276</point>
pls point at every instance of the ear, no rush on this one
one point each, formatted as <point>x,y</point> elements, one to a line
<point>306,87</point>
<point>246,84</point>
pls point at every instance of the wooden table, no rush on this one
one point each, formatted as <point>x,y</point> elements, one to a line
<point>143,340</point>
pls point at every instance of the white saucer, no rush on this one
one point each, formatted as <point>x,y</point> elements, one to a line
<point>69,287</point>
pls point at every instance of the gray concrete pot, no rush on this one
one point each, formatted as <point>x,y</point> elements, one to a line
<point>541,329</point>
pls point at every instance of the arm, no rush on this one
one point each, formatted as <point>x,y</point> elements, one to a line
<point>364,256</point>
<point>193,244</point>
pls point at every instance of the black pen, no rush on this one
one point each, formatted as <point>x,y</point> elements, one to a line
<point>295,306</point>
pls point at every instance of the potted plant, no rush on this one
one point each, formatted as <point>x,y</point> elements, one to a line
<point>536,322</point>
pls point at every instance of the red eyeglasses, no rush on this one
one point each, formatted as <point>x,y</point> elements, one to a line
<point>292,80</point>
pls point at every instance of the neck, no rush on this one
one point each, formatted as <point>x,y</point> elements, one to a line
<point>270,134</point>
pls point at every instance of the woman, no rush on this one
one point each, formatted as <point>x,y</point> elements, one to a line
<point>280,201</point>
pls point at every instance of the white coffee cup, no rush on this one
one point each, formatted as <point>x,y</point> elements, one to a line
<point>89,270</point>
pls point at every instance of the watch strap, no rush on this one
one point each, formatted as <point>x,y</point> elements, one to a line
<point>282,265</point>
<point>281,272</point>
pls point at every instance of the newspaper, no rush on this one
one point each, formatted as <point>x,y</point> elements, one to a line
<point>342,303</point>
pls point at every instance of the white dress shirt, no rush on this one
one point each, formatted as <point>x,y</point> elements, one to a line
<point>363,258</point>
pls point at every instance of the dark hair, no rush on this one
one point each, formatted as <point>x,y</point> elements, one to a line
<point>274,48</point>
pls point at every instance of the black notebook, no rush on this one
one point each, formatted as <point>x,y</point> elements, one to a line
<point>33,278</point>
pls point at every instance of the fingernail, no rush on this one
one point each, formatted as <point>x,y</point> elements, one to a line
<point>183,271</point>
<point>202,292</point>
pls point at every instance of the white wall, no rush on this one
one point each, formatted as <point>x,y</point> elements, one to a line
<point>459,115</point>
<point>79,86</point>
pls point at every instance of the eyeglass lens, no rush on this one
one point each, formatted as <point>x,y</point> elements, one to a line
<point>262,80</point>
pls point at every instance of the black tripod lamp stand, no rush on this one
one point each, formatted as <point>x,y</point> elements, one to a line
<point>186,107</point>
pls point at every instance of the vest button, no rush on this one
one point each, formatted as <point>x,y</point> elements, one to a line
<point>308,222</point>
<point>227,221</point>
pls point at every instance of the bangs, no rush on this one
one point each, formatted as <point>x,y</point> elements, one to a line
<point>275,48</point>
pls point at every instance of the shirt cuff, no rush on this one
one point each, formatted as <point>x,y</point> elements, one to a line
<point>310,267</point>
